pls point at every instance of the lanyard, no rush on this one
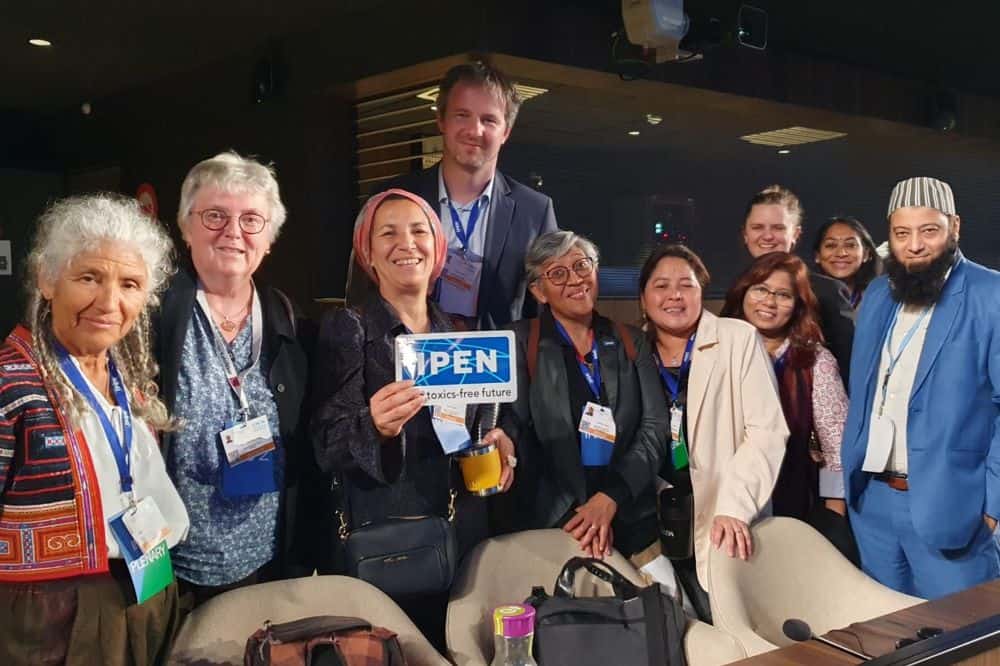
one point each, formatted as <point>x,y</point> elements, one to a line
<point>780,363</point>
<point>121,447</point>
<point>894,358</point>
<point>234,378</point>
<point>464,235</point>
<point>675,384</point>
<point>591,371</point>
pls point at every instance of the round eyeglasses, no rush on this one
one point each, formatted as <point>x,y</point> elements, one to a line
<point>759,293</point>
<point>559,275</point>
<point>215,219</point>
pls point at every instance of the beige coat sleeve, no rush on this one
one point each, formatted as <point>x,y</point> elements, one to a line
<point>750,475</point>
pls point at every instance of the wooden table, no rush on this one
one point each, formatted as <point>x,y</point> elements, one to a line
<point>951,612</point>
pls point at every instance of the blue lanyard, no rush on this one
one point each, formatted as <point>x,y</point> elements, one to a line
<point>464,235</point>
<point>675,384</point>
<point>780,363</point>
<point>591,371</point>
<point>894,358</point>
<point>121,450</point>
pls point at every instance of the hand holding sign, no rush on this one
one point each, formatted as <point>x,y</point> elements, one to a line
<point>393,405</point>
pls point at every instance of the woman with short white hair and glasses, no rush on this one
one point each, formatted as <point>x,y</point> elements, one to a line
<point>234,372</point>
<point>591,417</point>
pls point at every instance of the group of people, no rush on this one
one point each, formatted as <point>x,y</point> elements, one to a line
<point>193,405</point>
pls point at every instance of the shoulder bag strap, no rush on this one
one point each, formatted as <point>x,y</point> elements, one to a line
<point>534,333</point>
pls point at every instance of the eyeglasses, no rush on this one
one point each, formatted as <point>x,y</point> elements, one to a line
<point>216,219</point>
<point>559,275</point>
<point>759,293</point>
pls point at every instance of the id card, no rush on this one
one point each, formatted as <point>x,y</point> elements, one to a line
<point>448,421</point>
<point>151,571</point>
<point>597,435</point>
<point>881,437</point>
<point>146,524</point>
<point>247,440</point>
<point>459,285</point>
<point>678,442</point>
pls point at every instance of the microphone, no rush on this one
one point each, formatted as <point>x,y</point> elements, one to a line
<point>799,631</point>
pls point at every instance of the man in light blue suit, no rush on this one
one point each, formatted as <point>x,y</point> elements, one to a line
<point>921,448</point>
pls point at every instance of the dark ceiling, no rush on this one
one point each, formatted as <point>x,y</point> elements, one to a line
<point>102,48</point>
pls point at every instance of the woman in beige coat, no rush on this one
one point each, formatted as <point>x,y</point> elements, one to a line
<point>727,431</point>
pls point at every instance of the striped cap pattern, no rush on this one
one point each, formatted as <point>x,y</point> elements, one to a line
<point>924,192</point>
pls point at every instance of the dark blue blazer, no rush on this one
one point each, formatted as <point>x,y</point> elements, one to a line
<point>953,425</point>
<point>518,215</point>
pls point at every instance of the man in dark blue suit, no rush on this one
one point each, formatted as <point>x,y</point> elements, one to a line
<point>921,447</point>
<point>489,218</point>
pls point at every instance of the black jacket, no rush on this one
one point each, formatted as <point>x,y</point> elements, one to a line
<point>408,476</point>
<point>518,215</point>
<point>287,381</point>
<point>836,319</point>
<point>551,478</point>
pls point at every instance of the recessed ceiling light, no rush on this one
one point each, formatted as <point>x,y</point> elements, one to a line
<point>653,119</point>
<point>791,136</point>
<point>784,151</point>
<point>434,107</point>
<point>525,92</point>
<point>37,41</point>
<point>634,133</point>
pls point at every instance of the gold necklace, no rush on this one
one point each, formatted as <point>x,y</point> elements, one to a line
<point>230,323</point>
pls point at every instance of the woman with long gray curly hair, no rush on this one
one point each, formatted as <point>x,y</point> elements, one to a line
<point>84,493</point>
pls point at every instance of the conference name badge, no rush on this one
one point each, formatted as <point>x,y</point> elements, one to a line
<point>597,435</point>
<point>247,440</point>
<point>448,421</point>
<point>460,283</point>
<point>141,532</point>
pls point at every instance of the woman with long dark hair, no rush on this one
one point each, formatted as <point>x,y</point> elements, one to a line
<point>845,251</point>
<point>774,295</point>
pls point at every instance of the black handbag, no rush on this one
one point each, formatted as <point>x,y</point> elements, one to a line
<point>404,556</point>
<point>635,627</point>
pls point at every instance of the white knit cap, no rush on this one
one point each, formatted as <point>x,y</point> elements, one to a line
<point>922,191</point>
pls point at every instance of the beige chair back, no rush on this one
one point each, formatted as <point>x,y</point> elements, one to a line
<point>794,573</point>
<point>216,633</point>
<point>504,569</point>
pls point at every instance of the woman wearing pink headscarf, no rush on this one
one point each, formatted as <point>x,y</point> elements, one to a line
<point>373,432</point>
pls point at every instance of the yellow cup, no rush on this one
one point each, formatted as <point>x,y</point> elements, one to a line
<point>481,469</point>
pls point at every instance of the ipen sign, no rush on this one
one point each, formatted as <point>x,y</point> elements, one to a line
<point>467,367</point>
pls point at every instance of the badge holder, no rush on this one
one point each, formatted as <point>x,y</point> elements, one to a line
<point>149,564</point>
<point>250,459</point>
<point>597,435</point>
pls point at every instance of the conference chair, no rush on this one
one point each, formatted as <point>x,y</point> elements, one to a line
<point>503,570</point>
<point>216,632</point>
<point>794,573</point>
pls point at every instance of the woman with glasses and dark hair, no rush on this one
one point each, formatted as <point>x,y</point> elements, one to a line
<point>775,297</point>
<point>234,373</point>
<point>845,251</point>
<point>726,431</point>
<point>590,417</point>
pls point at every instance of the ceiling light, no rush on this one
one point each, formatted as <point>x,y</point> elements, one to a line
<point>38,41</point>
<point>634,133</point>
<point>653,119</point>
<point>525,92</point>
<point>784,151</point>
<point>791,136</point>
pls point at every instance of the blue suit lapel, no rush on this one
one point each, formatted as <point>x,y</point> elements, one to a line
<point>947,310</point>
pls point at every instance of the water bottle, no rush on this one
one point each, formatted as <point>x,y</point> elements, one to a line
<point>513,631</point>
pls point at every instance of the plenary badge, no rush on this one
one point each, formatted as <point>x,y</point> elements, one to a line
<point>468,367</point>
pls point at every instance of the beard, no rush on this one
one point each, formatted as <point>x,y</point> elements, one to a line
<point>921,286</point>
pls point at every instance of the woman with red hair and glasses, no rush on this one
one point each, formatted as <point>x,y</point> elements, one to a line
<point>774,295</point>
